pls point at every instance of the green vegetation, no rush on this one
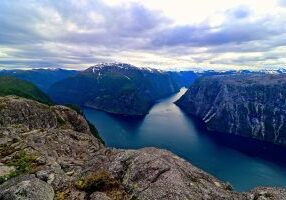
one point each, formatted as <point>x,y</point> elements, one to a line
<point>62,195</point>
<point>103,182</point>
<point>127,91</point>
<point>21,88</point>
<point>23,163</point>
<point>8,176</point>
<point>95,132</point>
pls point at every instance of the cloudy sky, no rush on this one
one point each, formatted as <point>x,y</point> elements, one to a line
<point>156,33</point>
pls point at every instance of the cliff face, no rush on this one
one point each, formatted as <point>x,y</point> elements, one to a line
<point>49,153</point>
<point>248,105</point>
<point>116,88</point>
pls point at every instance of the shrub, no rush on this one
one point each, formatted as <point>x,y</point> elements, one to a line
<point>103,182</point>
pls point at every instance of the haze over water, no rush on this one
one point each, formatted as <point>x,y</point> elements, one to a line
<point>243,163</point>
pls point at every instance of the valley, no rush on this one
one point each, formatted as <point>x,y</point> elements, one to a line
<point>126,107</point>
<point>116,88</point>
<point>243,163</point>
<point>142,100</point>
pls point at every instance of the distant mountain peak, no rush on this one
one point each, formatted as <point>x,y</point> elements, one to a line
<point>122,66</point>
<point>114,64</point>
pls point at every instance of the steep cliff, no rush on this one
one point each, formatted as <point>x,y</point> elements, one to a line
<point>49,153</point>
<point>115,87</point>
<point>247,105</point>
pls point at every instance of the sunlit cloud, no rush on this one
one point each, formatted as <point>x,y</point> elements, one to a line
<point>162,33</point>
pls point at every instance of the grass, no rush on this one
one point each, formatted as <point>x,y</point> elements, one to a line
<point>95,181</point>
<point>101,181</point>
<point>62,195</point>
<point>23,163</point>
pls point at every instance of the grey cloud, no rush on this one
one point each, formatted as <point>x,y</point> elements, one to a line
<point>266,58</point>
<point>64,32</point>
<point>203,35</point>
<point>122,28</point>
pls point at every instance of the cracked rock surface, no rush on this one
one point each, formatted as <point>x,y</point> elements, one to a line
<point>51,150</point>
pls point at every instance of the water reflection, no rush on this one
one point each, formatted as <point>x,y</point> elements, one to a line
<point>242,162</point>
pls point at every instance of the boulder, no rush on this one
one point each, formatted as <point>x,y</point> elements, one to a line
<point>26,187</point>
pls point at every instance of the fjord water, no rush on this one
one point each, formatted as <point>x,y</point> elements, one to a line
<point>243,163</point>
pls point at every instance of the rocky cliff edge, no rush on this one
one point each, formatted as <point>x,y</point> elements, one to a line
<point>49,152</point>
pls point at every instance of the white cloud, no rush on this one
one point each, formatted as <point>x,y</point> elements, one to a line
<point>157,33</point>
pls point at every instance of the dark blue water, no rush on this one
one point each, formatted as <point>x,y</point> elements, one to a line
<point>242,162</point>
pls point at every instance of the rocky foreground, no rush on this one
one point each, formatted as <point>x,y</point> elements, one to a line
<point>247,105</point>
<point>50,153</point>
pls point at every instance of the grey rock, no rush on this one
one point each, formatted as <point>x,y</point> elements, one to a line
<point>17,111</point>
<point>46,176</point>
<point>5,170</point>
<point>264,193</point>
<point>26,188</point>
<point>151,173</point>
<point>43,175</point>
<point>247,105</point>
<point>99,196</point>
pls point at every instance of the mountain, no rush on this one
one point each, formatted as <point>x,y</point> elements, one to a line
<point>21,88</point>
<point>43,78</point>
<point>183,78</point>
<point>49,152</point>
<point>115,87</point>
<point>252,105</point>
<point>232,72</point>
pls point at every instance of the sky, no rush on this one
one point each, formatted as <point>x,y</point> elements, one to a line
<point>165,34</point>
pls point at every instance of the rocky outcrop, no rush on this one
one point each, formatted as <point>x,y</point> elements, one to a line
<point>51,153</point>
<point>26,187</point>
<point>247,105</point>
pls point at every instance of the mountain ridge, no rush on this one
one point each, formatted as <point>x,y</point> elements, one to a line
<point>42,78</point>
<point>22,88</point>
<point>246,105</point>
<point>116,88</point>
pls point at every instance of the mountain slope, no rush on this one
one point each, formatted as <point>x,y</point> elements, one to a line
<point>42,78</point>
<point>115,87</point>
<point>183,78</point>
<point>21,88</point>
<point>247,105</point>
<point>48,152</point>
